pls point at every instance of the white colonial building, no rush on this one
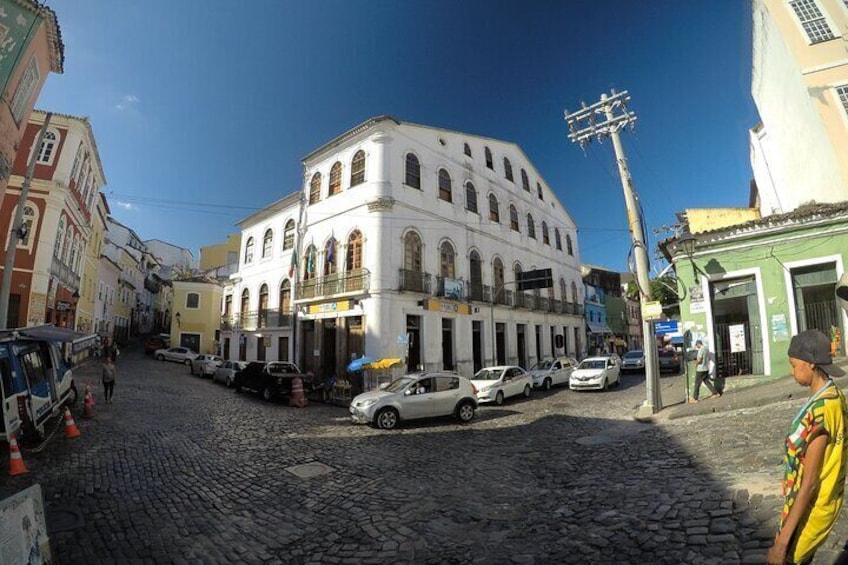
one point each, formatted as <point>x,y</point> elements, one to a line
<point>406,241</point>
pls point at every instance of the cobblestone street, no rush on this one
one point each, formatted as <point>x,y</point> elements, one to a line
<point>181,470</point>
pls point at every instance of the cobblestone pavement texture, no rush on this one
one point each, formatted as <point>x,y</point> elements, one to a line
<point>181,470</point>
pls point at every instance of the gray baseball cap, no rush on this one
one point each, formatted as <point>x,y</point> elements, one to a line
<point>814,347</point>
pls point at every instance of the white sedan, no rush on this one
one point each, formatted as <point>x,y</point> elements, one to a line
<point>494,384</point>
<point>179,354</point>
<point>551,372</point>
<point>595,372</point>
<point>205,365</point>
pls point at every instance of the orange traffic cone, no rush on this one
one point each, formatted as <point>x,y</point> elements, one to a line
<point>88,403</point>
<point>71,430</point>
<point>16,462</point>
<point>298,398</point>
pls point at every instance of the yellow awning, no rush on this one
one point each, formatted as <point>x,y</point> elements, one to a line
<point>383,364</point>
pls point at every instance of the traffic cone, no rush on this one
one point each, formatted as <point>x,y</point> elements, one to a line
<point>71,430</point>
<point>298,398</point>
<point>16,462</point>
<point>88,403</point>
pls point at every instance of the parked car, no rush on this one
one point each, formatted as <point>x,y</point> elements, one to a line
<point>226,372</point>
<point>152,344</point>
<point>551,372</point>
<point>633,361</point>
<point>271,380</point>
<point>204,365</point>
<point>495,384</point>
<point>595,372</point>
<point>178,354</point>
<point>414,396</point>
<point>669,361</point>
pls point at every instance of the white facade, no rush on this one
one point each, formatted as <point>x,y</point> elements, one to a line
<point>104,315</point>
<point>797,152</point>
<point>170,255</point>
<point>383,294</point>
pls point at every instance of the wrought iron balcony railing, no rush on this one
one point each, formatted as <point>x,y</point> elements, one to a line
<point>415,281</point>
<point>338,283</point>
<point>64,273</point>
<point>257,319</point>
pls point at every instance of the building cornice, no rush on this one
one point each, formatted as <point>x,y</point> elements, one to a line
<point>348,135</point>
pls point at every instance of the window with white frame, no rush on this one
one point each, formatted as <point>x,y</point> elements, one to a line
<point>288,235</point>
<point>77,162</point>
<point>26,88</point>
<point>812,20</point>
<point>192,300</point>
<point>48,147</point>
<point>842,94</point>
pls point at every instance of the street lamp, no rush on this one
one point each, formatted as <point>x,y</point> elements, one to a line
<point>177,316</point>
<point>687,242</point>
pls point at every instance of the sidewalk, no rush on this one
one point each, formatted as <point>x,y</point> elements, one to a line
<point>769,392</point>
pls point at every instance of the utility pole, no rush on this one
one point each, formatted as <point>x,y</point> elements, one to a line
<point>605,119</point>
<point>17,229</point>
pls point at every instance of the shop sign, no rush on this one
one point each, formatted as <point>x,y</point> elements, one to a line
<point>737,338</point>
<point>652,310</point>
<point>37,308</point>
<point>446,307</point>
<point>63,306</point>
<point>326,307</point>
<point>696,300</point>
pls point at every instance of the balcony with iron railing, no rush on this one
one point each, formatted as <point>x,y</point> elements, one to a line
<point>414,281</point>
<point>257,319</point>
<point>64,273</point>
<point>352,282</point>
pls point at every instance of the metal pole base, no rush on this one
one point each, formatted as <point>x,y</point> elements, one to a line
<point>645,413</point>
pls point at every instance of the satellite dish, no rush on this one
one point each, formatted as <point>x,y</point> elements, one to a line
<point>842,292</point>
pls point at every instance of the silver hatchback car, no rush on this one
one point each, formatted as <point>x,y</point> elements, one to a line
<point>414,396</point>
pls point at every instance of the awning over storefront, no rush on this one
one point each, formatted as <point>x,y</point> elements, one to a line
<point>384,363</point>
<point>598,328</point>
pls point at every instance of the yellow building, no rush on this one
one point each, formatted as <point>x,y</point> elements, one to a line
<point>800,86</point>
<point>87,315</point>
<point>222,258</point>
<point>196,318</point>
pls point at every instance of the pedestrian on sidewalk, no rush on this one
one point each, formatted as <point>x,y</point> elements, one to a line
<point>702,372</point>
<point>815,454</point>
<point>109,373</point>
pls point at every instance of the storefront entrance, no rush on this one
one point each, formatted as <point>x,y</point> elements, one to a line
<point>738,338</point>
<point>815,298</point>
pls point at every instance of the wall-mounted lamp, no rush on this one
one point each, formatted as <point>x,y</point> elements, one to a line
<point>75,296</point>
<point>687,243</point>
<point>177,316</point>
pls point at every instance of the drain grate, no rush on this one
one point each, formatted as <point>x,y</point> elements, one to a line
<point>309,470</point>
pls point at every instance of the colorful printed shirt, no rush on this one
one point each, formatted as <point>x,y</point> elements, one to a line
<point>826,413</point>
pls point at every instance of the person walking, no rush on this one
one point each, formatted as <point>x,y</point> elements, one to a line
<point>814,458</point>
<point>702,373</point>
<point>109,373</point>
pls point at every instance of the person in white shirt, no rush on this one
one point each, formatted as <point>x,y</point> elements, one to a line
<point>702,373</point>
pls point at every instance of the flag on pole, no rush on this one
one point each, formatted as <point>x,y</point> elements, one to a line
<point>310,261</point>
<point>293,266</point>
<point>331,250</point>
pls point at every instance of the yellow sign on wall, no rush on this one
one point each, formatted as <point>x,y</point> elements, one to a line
<point>652,310</point>
<point>326,307</point>
<point>446,307</point>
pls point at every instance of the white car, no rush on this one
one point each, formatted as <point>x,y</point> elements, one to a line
<point>414,396</point>
<point>551,372</point>
<point>205,365</point>
<point>633,360</point>
<point>595,372</point>
<point>226,372</point>
<point>178,354</point>
<point>494,384</point>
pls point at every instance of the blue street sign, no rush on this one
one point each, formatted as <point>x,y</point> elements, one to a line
<point>668,327</point>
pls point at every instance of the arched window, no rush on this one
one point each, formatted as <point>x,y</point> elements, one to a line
<point>245,302</point>
<point>498,279</point>
<point>413,171</point>
<point>568,244</point>
<point>525,182</point>
<point>66,246</point>
<point>248,250</point>
<point>335,179</point>
<point>507,169</point>
<point>513,218</point>
<point>263,305</point>
<point>574,297</point>
<point>516,273</point>
<point>489,162</point>
<point>72,261</point>
<point>30,221</point>
<point>353,261</point>
<point>470,197</point>
<point>48,148</point>
<point>60,238</point>
<point>557,239</point>
<point>531,226</point>
<point>77,264</point>
<point>447,260</point>
<point>285,297</point>
<point>539,191</point>
<point>563,290</point>
<point>77,162</point>
<point>546,239</point>
<point>467,149</point>
<point>445,186</point>
<point>309,263</point>
<point>288,235</point>
<point>357,168</point>
<point>475,274</point>
<point>315,188</point>
<point>412,252</point>
<point>330,257</point>
<point>494,213</point>
<point>267,243</point>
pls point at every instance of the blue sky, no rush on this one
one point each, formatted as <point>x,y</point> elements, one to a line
<point>203,109</point>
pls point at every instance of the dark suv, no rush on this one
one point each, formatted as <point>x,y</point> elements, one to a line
<point>271,379</point>
<point>668,361</point>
